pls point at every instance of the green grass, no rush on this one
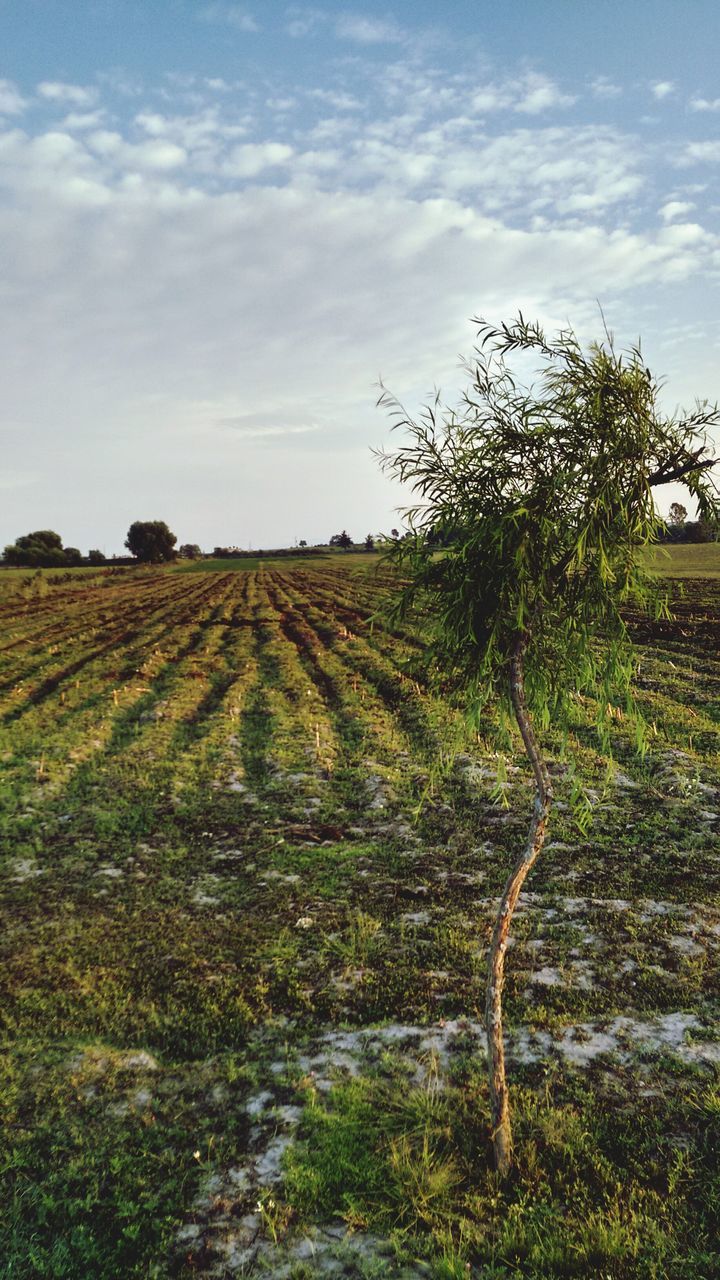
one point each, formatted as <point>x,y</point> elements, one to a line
<point>688,560</point>
<point>601,1186</point>
<point>313,560</point>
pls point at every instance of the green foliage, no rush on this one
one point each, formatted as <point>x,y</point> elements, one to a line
<point>151,541</point>
<point>341,540</point>
<point>42,549</point>
<point>190,551</point>
<point>545,496</point>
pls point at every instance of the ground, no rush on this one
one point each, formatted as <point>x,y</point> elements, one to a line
<point>250,857</point>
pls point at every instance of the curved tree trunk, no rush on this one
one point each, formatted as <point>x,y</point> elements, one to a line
<point>499,1102</point>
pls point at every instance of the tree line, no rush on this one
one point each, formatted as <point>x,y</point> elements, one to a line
<point>148,542</point>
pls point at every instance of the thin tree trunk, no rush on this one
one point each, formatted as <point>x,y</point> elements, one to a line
<point>499,1102</point>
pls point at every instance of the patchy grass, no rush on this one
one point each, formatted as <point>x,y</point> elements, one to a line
<point>237,818</point>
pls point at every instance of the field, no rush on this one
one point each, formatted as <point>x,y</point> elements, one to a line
<point>249,861</point>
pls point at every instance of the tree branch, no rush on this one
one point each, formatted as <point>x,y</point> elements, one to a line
<point>661,476</point>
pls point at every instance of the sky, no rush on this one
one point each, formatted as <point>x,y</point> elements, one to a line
<point>221,224</point>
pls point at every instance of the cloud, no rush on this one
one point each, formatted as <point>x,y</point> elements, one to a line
<point>603,88</point>
<point>250,159</point>
<point>229,15</point>
<point>83,119</point>
<point>699,153</point>
<point>364,30</point>
<point>530,94</point>
<point>541,94</point>
<point>12,102</point>
<point>156,155</point>
<point>675,209</point>
<point>75,94</point>
<point>662,89</point>
<point>704,104</point>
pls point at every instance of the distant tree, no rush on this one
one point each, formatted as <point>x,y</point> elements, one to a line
<point>678,514</point>
<point>190,551</point>
<point>42,549</point>
<point>96,557</point>
<point>302,543</point>
<point>395,533</point>
<point>369,543</point>
<point>341,540</point>
<point>73,556</point>
<point>150,541</point>
<point>550,491</point>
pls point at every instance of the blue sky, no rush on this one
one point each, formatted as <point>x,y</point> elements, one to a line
<point>220,223</point>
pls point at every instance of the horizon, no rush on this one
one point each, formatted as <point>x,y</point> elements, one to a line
<point>223,223</point>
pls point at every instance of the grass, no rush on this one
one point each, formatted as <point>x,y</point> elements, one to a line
<point>687,560</point>
<point>236,817</point>
<point>238,564</point>
<point>589,1195</point>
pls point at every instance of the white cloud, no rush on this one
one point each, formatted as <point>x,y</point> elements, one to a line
<point>12,102</point>
<point>157,155</point>
<point>230,15</point>
<point>676,209</point>
<point>250,159</point>
<point>700,153</point>
<point>662,89</point>
<point>83,119</point>
<point>490,98</point>
<point>704,104</point>
<point>541,94</point>
<point>364,30</point>
<point>530,95</point>
<point>602,87</point>
<point>75,94</point>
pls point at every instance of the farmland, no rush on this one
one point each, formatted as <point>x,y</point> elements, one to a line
<point>250,855</point>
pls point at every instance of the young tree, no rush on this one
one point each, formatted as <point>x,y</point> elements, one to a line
<point>678,514</point>
<point>369,543</point>
<point>150,541</point>
<point>341,540</point>
<point>548,494</point>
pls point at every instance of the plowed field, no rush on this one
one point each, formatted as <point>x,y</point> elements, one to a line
<point>250,855</point>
